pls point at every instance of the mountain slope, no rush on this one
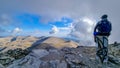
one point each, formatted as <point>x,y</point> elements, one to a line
<point>60,43</point>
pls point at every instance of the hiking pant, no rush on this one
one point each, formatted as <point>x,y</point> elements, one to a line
<point>102,47</point>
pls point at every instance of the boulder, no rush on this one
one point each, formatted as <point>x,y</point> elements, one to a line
<point>1,66</point>
<point>17,53</point>
<point>40,52</point>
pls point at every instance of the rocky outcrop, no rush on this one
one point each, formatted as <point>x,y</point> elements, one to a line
<point>17,53</point>
<point>114,49</point>
<point>80,57</point>
<point>114,53</point>
<point>6,58</point>
<point>54,58</point>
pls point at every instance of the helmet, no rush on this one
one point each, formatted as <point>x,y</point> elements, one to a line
<point>104,16</point>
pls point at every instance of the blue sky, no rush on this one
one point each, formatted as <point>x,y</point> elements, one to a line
<point>31,22</point>
<point>27,23</point>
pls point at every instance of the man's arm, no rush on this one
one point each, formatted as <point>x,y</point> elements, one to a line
<point>95,31</point>
<point>96,27</point>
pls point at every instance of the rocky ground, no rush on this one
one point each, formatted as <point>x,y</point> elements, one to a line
<point>45,55</point>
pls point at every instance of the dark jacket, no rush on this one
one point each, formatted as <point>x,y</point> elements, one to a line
<point>96,29</point>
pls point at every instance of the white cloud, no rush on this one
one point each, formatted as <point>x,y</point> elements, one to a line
<point>17,31</point>
<point>36,32</point>
<point>63,28</point>
<point>54,30</point>
<point>6,22</point>
<point>83,30</point>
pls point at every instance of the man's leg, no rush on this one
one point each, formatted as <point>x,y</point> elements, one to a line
<point>97,49</point>
<point>102,50</point>
<point>105,42</point>
<point>105,47</point>
<point>102,47</point>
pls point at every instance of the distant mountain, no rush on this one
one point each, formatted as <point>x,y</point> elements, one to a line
<point>60,43</point>
<point>31,41</point>
<point>17,42</point>
<point>54,42</point>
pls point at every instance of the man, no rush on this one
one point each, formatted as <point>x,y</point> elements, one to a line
<point>102,31</point>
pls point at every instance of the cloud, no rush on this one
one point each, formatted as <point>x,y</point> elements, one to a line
<point>35,33</point>
<point>83,30</point>
<point>63,28</point>
<point>17,31</point>
<point>49,10</point>
<point>5,20</point>
<point>8,20</point>
<point>54,30</point>
<point>7,23</point>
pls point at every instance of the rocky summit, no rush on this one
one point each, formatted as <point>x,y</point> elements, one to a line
<point>47,53</point>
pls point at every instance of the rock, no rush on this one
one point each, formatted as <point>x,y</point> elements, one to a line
<point>1,66</point>
<point>77,58</point>
<point>114,49</point>
<point>44,65</point>
<point>32,61</point>
<point>114,54</point>
<point>54,63</point>
<point>1,49</point>
<point>26,62</point>
<point>40,52</point>
<point>67,50</point>
<point>17,53</point>
<point>6,60</point>
<point>75,61</point>
<point>114,60</point>
<point>63,64</point>
<point>53,51</point>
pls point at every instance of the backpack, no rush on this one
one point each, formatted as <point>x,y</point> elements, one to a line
<point>104,26</point>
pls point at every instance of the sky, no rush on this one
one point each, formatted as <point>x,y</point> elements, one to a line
<point>61,18</point>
